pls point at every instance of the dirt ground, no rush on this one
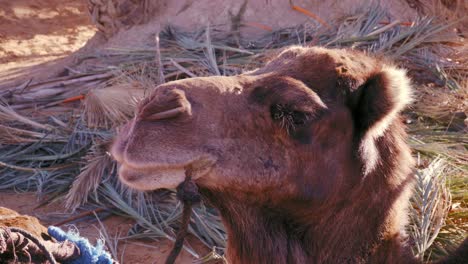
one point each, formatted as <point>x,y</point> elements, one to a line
<point>33,32</point>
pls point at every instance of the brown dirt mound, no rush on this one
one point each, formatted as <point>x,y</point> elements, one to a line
<point>10,218</point>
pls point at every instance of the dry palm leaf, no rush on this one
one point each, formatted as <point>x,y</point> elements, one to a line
<point>113,105</point>
<point>8,114</point>
<point>11,135</point>
<point>430,205</point>
<point>443,105</point>
<point>98,165</point>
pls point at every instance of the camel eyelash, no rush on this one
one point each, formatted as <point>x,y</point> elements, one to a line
<point>288,119</point>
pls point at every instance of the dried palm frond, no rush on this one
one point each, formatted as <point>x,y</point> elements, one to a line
<point>98,165</point>
<point>456,226</point>
<point>445,106</point>
<point>8,114</point>
<point>157,214</point>
<point>430,205</point>
<point>210,55</point>
<point>127,206</point>
<point>453,149</point>
<point>113,105</point>
<point>11,135</point>
<point>112,243</point>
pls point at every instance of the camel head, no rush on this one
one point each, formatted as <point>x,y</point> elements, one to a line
<point>306,126</point>
<point>305,158</point>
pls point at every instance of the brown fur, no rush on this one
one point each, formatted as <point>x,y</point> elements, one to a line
<point>305,158</point>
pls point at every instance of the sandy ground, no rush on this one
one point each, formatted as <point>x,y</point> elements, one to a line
<point>33,32</point>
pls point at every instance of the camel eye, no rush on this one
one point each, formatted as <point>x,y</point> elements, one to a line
<point>277,112</point>
<point>298,118</point>
<point>288,119</point>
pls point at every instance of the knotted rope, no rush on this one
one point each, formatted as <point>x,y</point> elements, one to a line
<point>15,241</point>
<point>187,193</point>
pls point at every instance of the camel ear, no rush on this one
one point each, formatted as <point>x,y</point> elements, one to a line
<point>375,105</point>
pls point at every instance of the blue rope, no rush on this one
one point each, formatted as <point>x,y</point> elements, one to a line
<point>88,254</point>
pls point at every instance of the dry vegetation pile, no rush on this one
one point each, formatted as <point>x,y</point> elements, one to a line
<point>54,134</point>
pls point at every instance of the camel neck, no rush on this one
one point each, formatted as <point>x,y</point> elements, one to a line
<point>264,240</point>
<point>258,234</point>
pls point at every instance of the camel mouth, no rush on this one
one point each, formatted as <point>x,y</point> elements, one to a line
<point>159,177</point>
<point>147,180</point>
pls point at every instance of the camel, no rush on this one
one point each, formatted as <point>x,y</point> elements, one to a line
<point>305,158</point>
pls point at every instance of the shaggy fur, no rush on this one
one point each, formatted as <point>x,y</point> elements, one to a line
<point>305,158</point>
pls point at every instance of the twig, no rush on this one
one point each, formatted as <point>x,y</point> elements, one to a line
<point>74,98</point>
<point>3,164</point>
<point>211,53</point>
<point>310,14</point>
<point>81,215</point>
<point>406,24</point>
<point>71,80</point>
<point>258,25</point>
<point>384,28</point>
<point>158,61</point>
<point>24,85</point>
<point>184,70</point>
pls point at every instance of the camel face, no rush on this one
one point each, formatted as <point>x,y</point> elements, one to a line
<point>229,129</point>
<point>302,127</point>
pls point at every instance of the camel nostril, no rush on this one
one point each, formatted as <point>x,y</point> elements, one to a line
<point>167,114</point>
<point>168,104</point>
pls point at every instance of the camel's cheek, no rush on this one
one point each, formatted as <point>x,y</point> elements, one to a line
<point>251,165</point>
